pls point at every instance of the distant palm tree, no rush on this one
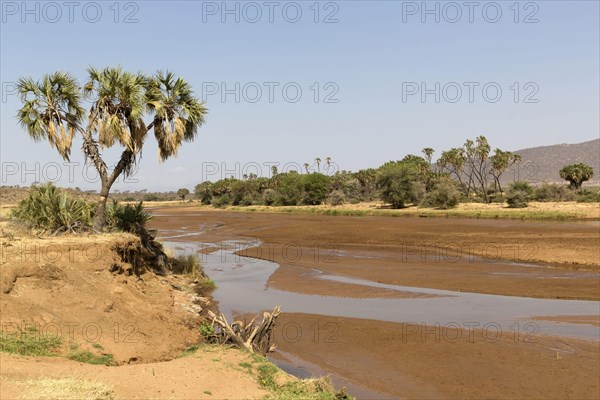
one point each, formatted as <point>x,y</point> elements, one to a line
<point>318,161</point>
<point>52,110</point>
<point>306,165</point>
<point>428,152</point>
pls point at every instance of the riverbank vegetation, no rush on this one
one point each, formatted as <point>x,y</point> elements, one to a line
<point>471,173</point>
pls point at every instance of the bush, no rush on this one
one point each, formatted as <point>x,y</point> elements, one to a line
<point>53,211</point>
<point>519,194</point>
<point>269,197</point>
<point>444,196</point>
<point>128,218</point>
<point>220,201</point>
<point>150,197</point>
<point>588,196</point>
<point>316,188</point>
<point>186,265</point>
<point>336,198</point>
<point>399,185</point>
<point>553,192</point>
<point>289,189</point>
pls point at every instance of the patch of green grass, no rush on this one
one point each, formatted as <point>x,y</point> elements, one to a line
<point>30,344</point>
<point>88,357</point>
<point>292,389</point>
<point>189,351</point>
<point>266,375</point>
<point>245,365</point>
<point>207,283</point>
<point>98,346</point>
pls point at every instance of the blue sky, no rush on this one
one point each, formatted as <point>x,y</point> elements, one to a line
<point>361,77</point>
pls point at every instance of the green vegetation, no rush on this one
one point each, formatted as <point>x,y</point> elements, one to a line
<point>52,211</point>
<point>53,109</point>
<point>88,357</point>
<point>207,331</point>
<point>444,195</point>
<point>400,184</point>
<point>127,218</point>
<point>30,343</point>
<point>519,194</point>
<point>291,389</point>
<point>471,173</point>
<point>576,174</point>
<point>189,265</point>
<point>553,192</point>
<point>182,193</point>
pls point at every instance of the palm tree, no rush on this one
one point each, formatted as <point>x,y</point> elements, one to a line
<point>306,165</point>
<point>52,110</point>
<point>428,152</point>
<point>318,161</point>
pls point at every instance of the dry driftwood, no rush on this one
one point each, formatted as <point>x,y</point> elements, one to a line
<point>256,338</point>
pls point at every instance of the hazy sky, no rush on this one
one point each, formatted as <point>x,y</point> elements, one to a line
<point>362,82</point>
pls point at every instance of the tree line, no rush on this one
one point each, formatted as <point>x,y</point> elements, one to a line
<point>472,172</point>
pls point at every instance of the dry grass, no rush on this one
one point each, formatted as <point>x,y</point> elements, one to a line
<point>64,388</point>
<point>536,210</point>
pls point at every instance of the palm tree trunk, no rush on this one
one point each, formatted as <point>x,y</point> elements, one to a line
<point>123,165</point>
<point>100,216</point>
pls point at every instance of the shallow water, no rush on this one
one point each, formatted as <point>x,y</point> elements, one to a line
<point>242,288</point>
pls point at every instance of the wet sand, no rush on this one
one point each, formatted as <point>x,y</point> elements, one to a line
<point>424,362</point>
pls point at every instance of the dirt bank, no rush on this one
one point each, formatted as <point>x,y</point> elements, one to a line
<point>211,373</point>
<point>81,290</point>
<point>484,256</point>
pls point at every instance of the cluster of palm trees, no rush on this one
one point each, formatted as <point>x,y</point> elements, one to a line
<point>318,162</point>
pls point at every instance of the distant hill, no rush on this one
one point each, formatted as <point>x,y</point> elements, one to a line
<point>541,164</point>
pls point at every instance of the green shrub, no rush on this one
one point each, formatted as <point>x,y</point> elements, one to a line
<point>519,194</point>
<point>316,188</point>
<point>269,197</point>
<point>289,189</point>
<point>220,201</point>
<point>187,264</point>
<point>443,196</point>
<point>150,197</point>
<point>553,192</point>
<point>399,185</point>
<point>336,198</point>
<point>127,218</point>
<point>53,211</point>
<point>588,195</point>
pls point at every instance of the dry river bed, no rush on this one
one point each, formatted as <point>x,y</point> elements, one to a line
<point>412,307</point>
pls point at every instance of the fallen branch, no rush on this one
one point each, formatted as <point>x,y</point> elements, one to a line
<point>256,338</point>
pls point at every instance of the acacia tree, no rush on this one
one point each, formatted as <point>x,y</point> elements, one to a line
<point>52,110</point>
<point>576,174</point>
<point>182,193</point>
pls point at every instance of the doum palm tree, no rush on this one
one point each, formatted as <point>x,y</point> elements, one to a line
<point>52,110</point>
